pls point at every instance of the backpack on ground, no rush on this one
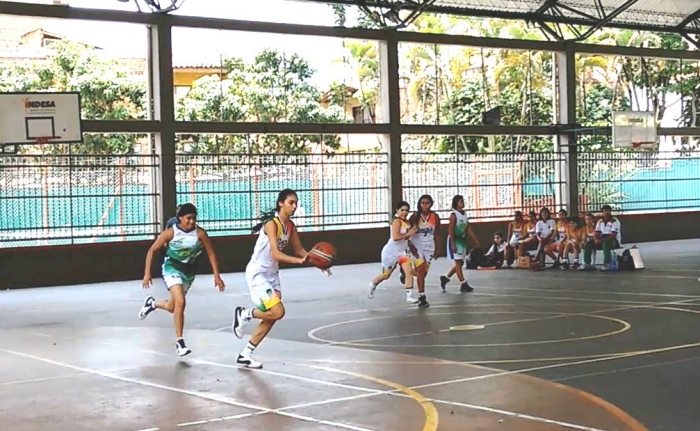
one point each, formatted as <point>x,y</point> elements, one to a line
<point>475,258</point>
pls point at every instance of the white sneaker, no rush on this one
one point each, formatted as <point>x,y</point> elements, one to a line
<point>239,322</point>
<point>182,350</point>
<point>149,305</point>
<point>248,361</point>
<point>372,288</point>
<point>410,299</point>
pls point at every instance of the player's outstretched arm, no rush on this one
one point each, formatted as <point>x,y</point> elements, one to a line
<point>165,237</point>
<point>271,232</point>
<point>295,242</point>
<point>209,248</point>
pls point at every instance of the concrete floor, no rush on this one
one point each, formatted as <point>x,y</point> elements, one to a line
<point>557,351</point>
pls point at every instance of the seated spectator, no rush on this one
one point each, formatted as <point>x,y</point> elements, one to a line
<point>572,244</point>
<point>516,233</point>
<point>559,241</point>
<point>607,237</point>
<point>496,254</point>
<point>530,241</point>
<point>546,230</point>
<point>588,235</point>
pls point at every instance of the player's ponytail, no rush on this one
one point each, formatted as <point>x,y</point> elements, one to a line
<point>269,215</point>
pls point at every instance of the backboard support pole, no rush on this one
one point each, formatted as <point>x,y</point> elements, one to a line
<point>163,111</point>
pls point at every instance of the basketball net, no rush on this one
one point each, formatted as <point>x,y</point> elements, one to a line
<point>45,139</point>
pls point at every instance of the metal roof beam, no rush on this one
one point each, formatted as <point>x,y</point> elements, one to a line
<point>583,19</point>
<point>552,8</point>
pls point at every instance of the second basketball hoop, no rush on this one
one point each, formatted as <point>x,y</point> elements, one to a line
<point>634,130</point>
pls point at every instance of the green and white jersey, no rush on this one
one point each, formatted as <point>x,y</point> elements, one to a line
<point>461,224</point>
<point>182,253</point>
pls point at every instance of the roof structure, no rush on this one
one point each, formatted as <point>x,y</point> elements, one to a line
<point>581,17</point>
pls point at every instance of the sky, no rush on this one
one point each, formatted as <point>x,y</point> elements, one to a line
<point>204,45</point>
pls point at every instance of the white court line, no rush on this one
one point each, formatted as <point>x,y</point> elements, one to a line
<point>518,415</point>
<point>42,379</point>
<point>620,370</point>
<point>206,396</point>
<point>605,292</point>
<point>292,376</point>
<point>221,419</point>
<point>395,392</point>
<point>273,373</point>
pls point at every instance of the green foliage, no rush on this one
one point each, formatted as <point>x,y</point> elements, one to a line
<point>106,93</point>
<point>272,88</point>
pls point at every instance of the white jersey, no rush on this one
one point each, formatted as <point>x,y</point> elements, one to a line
<point>425,236</point>
<point>545,228</point>
<point>396,248</point>
<point>262,253</point>
<point>461,224</point>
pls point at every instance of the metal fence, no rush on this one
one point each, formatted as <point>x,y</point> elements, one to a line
<point>494,185</point>
<point>74,199</point>
<point>336,191</point>
<point>638,181</point>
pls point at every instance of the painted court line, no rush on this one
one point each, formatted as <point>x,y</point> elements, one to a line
<point>207,396</point>
<point>519,415</point>
<point>432,415</point>
<point>263,371</point>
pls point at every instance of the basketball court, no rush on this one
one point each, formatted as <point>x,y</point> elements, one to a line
<point>553,350</point>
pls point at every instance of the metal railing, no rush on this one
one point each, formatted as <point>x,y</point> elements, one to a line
<point>75,199</point>
<point>494,185</point>
<point>637,181</point>
<point>336,191</point>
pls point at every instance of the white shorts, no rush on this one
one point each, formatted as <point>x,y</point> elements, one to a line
<point>264,287</point>
<point>515,240</point>
<point>173,280</point>
<point>390,259</point>
<point>426,252</point>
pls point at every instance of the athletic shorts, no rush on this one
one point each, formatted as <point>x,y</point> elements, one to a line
<point>460,249</point>
<point>515,240</point>
<point>173,280</point>
<point>390,259</point>
<point>426,253</point>
<point>264,287</point>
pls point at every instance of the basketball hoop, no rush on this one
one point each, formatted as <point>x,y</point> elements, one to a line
<point>644,145</point>
<point>45,139</point>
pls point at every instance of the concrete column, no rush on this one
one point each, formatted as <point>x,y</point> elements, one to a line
<point>164,112</point>
<point>390,101</point>
<point>566,172</point>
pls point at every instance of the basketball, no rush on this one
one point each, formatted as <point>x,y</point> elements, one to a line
<point>322,255</point>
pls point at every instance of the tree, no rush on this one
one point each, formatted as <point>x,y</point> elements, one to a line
<point>273,88</point>
<point>106,93</point>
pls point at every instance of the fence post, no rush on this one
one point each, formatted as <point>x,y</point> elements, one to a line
<point>391,109</point>
<point>566,172</point>
<point>160,52</point>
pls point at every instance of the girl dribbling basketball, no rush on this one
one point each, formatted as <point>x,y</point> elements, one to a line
<point>276,231</point>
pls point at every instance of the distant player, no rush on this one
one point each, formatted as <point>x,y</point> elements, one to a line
<point>276,231</point>
<point>185,242</point>
<point>457,250</point>
<point>396,252</point>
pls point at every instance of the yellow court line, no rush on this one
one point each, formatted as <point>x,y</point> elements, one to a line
<point>431,413</point>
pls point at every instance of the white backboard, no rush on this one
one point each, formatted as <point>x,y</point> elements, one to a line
<point>630,128</point>
<point>24,117</point>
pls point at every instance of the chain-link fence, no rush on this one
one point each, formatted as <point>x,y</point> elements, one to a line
<point>494,185</point>
<point>336,191</point>
<point>75,199</point>
<point>639,181</point>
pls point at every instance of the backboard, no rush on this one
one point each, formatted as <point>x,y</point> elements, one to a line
<point>26,118</point>
<point>635,130</point>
